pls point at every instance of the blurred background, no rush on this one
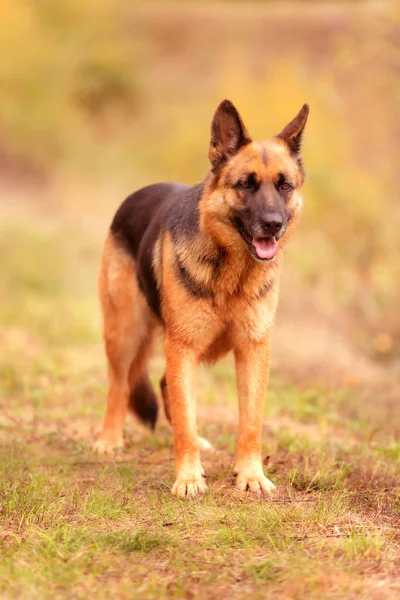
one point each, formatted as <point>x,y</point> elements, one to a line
<point>101,97</point>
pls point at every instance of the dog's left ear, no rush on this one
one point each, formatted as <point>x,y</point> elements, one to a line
<point>292,134</point>
<point>228,134</point>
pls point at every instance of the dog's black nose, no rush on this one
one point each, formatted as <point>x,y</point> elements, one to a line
<point>272,224</point>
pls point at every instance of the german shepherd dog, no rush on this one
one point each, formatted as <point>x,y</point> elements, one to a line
<point>201,262</point>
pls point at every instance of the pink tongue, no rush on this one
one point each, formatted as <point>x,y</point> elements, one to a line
<point>265,247</point>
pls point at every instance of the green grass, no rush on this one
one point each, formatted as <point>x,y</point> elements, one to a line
<point>73,524</point>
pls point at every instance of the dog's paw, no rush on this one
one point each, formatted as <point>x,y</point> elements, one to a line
<point>108,446</point>
<point>190,484</point>
<point>253,481</point>
<point>204,445</point>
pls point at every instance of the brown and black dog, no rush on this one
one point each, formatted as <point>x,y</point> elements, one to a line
<point>202,263</point>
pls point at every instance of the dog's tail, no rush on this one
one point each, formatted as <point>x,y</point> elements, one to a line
<point>143,402</point>
<point>164,394</point>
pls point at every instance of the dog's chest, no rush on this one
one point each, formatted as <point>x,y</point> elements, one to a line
<point>241,283</point>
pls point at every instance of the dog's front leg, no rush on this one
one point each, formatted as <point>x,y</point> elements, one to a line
<point>252,369</point>
<point>181,373</point>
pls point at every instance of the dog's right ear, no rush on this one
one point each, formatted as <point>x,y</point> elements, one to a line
<point>292,134</point>
<point>228,134</point>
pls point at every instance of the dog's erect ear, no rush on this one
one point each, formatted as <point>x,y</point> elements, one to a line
<point>293,133</point>
<point>228,134</point>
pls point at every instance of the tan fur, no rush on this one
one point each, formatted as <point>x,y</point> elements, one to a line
<point>198,332</point>
<point>129,327</point>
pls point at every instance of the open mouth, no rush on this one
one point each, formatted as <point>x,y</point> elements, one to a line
<point>263,248</point>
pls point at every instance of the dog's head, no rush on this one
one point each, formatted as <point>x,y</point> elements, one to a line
<point>253,186</point>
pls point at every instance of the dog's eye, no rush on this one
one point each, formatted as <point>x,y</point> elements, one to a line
<point>285,187</point>
<point>247,183</point>
<point>244,185</point>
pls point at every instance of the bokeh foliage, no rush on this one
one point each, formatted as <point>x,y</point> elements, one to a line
<point>103,89</point>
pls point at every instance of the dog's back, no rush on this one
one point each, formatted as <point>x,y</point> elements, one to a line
<point>143,209</point>
<point>142,217</point>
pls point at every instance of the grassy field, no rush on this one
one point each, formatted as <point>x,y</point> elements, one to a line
<point>73,524</point>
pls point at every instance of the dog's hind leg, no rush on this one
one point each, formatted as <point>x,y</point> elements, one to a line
<point>128,331</point>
